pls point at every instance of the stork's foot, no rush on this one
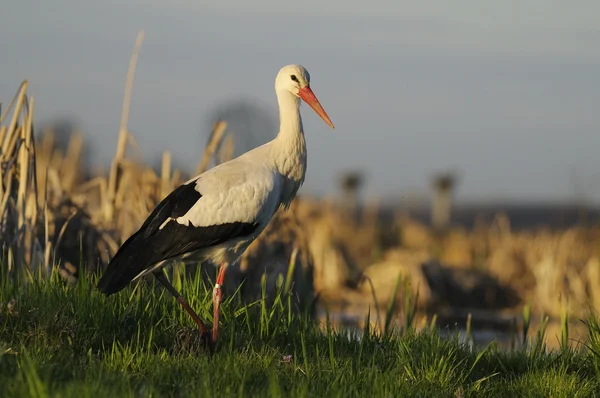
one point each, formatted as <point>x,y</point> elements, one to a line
<point>192,340</point>
<point>208,342</point>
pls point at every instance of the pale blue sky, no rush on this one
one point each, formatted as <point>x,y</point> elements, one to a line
<point>506,92</point>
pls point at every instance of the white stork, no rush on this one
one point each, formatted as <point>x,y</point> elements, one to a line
<point>216,215</point>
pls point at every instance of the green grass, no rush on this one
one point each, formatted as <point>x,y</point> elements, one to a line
<point>62,341</point>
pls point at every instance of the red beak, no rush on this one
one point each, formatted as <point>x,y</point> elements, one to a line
<point>309,97</point>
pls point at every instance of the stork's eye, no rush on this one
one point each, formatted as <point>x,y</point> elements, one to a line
<point>294,78</point>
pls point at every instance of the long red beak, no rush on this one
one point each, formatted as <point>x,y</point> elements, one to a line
<point>309,97</point>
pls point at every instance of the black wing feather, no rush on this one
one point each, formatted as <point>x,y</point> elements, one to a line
<point>150,244</point>
<point>176,204</point>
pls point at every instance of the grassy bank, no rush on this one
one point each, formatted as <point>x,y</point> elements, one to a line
<point>60,341</point>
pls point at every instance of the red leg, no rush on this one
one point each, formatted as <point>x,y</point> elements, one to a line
<point>217,300</point>
<point>164,281</point>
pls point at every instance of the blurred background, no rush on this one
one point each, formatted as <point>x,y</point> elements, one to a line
<point>465,148</point>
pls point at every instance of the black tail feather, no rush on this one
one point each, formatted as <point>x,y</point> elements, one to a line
<point>131,259</point>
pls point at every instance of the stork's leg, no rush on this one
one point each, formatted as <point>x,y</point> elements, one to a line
<point>217,300</point>
<point>164,281</point>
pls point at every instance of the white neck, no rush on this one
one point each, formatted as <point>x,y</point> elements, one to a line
<point>290,145</point>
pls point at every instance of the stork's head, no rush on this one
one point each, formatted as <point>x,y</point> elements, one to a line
<point>296,80</point>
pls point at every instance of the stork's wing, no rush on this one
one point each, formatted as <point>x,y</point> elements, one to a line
<point>223,204</point>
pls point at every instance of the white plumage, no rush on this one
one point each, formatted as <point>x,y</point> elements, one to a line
<point>215,216</point>
<point>237,191</point>
<point>244,189</point>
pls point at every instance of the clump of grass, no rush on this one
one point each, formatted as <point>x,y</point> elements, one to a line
<point>63,340</point>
